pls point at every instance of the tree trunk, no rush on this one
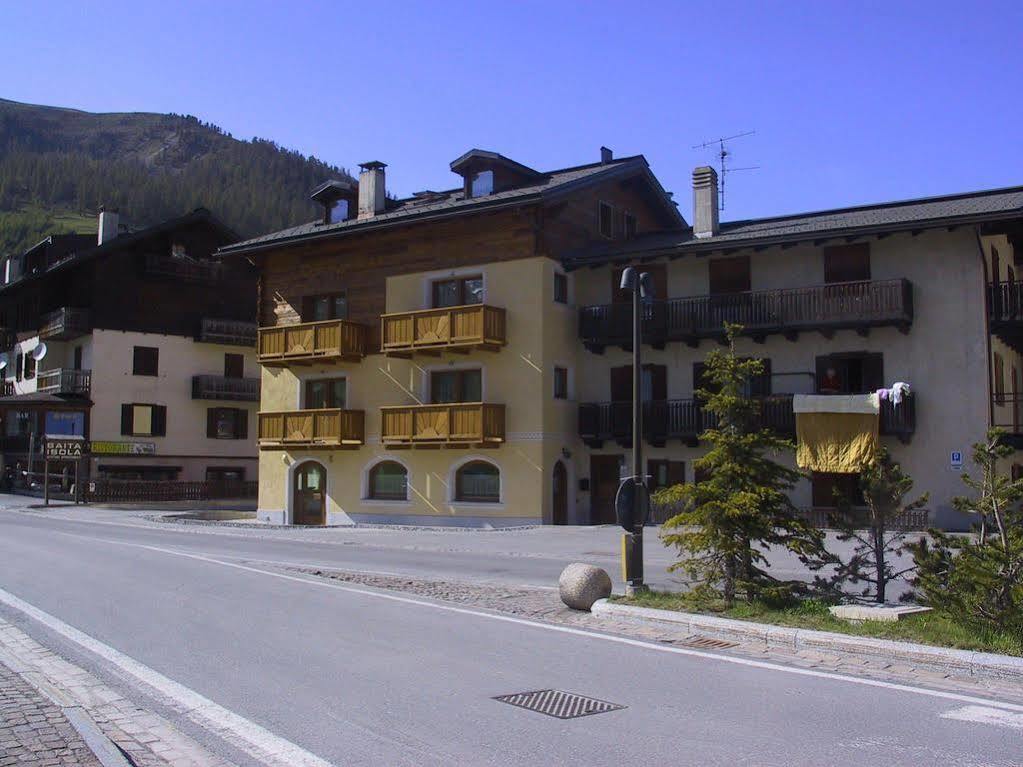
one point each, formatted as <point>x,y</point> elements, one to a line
<point>728,587</point>
<point>880,582</point>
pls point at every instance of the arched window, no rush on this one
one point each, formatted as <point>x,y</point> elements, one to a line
<point>388,481</point>
<point>478,482</point>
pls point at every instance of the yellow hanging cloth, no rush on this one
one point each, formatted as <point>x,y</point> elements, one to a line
<point>836,433</point>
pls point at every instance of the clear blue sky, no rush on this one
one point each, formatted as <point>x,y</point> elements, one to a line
<point>852,102</point>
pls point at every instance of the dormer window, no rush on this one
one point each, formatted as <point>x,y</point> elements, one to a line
<point>339,212</point>
<point>483,183</point>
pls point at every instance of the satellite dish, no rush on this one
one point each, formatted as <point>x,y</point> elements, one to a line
<point>39,352</point>
<point>4,359</point>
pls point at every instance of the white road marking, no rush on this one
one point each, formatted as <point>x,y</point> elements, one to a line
<point>256,741</point>
<point>941,694</point>
<point>986,715</point>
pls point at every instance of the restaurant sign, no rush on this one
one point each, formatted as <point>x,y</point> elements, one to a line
<point>123,448</point>
<point>67,449</point>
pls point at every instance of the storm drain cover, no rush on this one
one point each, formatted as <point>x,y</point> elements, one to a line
<point>558,703</point>
<point>708,643</point>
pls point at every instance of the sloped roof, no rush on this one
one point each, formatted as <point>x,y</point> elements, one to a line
<point>904,215</point>
<point>453,202</point>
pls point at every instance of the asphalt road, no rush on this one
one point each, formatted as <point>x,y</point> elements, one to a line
<point>358,677</point>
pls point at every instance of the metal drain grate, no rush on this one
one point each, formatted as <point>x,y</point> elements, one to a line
<point>557,703</point>
<point>706,643</point>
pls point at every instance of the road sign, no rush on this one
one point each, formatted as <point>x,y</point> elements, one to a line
<point>956,460</point>
<point>66,449</point>
<point>631,504</point>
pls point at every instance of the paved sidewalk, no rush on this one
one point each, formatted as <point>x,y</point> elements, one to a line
<point>545,605</point>
<point>36,684</point>
<point>33,731</point>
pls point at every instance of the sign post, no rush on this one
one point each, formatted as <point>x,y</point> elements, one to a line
<point>63,449</point>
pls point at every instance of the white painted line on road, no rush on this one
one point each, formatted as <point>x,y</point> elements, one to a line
<point>256,741</point>
<point>985,715</point>
<point>942,694</point>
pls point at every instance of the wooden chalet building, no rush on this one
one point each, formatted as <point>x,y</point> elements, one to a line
<point>457,357</point>
<point>138,342</point>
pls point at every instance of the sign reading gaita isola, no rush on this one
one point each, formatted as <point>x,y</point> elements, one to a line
<point>66,449</point>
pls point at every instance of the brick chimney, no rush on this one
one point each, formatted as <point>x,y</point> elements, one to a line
<point>372,193</point>
<point>108,222</point>
<point>705,201</point>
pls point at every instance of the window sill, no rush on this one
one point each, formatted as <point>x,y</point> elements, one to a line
<point>382,502</point>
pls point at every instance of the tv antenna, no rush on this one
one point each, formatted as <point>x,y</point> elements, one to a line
<point>723,154</point>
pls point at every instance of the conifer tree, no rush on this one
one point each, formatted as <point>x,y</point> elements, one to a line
<point>741,507</point>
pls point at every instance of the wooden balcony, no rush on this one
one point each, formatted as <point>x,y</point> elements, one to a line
<point>65,324</point>
<point>65,381</point>
<point>454,328</point>
<point>229,332</point>
<point>197,271</point>
<point>310,342</point>
<point>686,420</point>
<point>225,388</point>
<point>1005,310</point>
<point>457,424</point>
<point>856,306</point>
<point>324,428</point>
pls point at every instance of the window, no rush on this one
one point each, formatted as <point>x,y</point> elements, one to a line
<point>78,358</point>
<point>456,386</point>
<point>560,288</point>
<point>478,482</point>
<point>458,292</point>
<point>19,361</point>
<point>847,263</point>
<point>234,366</point>
<point>143,420</point>
<point>327,306</point>
<point>482,183</point>
<point>996,265</point>
<point>560,383</point>
<point>829,490</point>
<point>606,220</point>
<point>854,373</point>
<point>225,475</point>
<point>729,275</point>
<point>999,379</point>
<point>756,386</point>
<point>326,392</point>
<point>227,423</point>
<point>146,361</point>
<point>665,473</point>
<point>339,211</point>
<point>628,226</point>
<point>388,481</point>
<point>30,367</point>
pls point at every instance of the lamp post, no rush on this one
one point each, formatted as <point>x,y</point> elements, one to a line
<point>631,501</point>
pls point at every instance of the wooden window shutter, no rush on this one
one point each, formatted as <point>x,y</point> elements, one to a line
<point>760,386</point>
<point>127,420</point>
<point>621,383</point>
<point>211,422</point>
<point>241,424</point>
<point>676,473</point>
<point>159,420</point>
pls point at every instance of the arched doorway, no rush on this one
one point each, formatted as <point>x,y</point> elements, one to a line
<point>559,482</point>
<point>310,494</point>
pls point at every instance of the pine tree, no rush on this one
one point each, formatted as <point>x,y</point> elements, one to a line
<point>742,507</point>
<point>979,580</point>
<point>879,538</point>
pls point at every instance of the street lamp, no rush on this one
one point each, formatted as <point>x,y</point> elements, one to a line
<point>632,497</point>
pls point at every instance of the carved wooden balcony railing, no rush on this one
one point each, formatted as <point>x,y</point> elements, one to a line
<point>453,328</point>
<point>458,424</point>
<point>310,342</point>
<point>64,381</point>
<point>323,428</point>
<point>826,308</point>
<point>687,419</point>
<point>230,332</point>
<point>184,269</point>
<point>65,324</point>
<point>225,388</point>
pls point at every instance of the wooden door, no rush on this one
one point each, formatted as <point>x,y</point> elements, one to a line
<point>559,507</point>
<point>604,473</point>
<point>310,496</point>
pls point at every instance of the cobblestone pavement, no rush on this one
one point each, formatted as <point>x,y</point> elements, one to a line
<point>33,731</point>
<point>36,683</point>
<point>545,605</point>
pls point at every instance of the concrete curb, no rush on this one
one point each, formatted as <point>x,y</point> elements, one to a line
<point>980,664</point>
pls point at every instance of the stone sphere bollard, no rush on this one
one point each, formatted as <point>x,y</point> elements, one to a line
<point>581,585</point>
